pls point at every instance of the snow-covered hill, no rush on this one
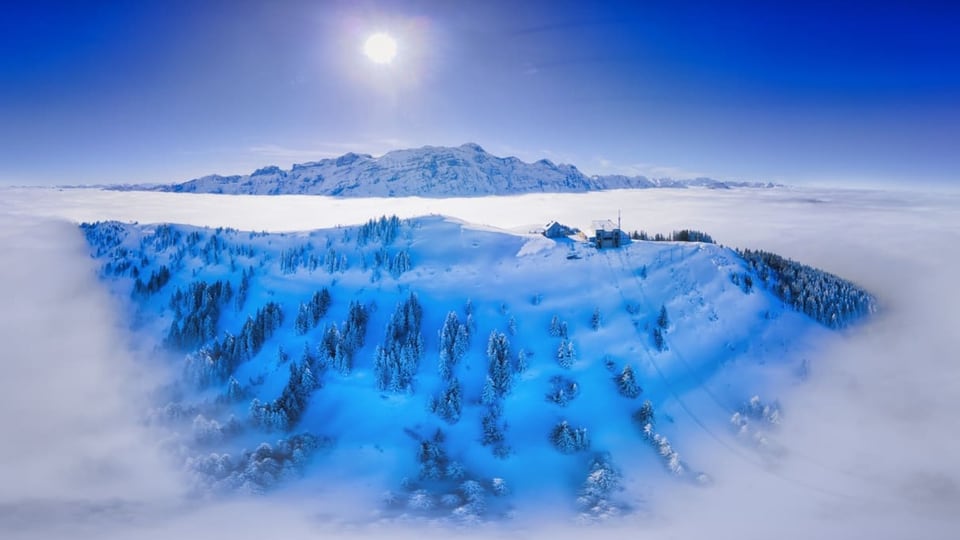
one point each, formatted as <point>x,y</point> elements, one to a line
<point>455,372</point>
<point>464,171</point>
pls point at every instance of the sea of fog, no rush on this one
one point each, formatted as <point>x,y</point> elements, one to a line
<point>871,436</point>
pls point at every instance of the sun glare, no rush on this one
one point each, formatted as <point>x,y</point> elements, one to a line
<point>380,48</point>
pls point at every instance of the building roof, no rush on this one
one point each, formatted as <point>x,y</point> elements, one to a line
<point>604,225</point>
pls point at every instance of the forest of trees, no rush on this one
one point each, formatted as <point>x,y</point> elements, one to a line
<point>445,486</point>
<point>196,313</point>
<point>824,297</point>
<point>755,417</point>
<point>569,440</point>
<point>243,291</point>
<point>494,429</point>
<point>467,396</point>
<point>448,405</point>
<point>742,280</point>
<point>454,340</point>
<point>338,345</point>
<point>384,230</point>
<point>398,359</point>
<point>164,236</point>
<point>395,264</point>
<point>215,362</point>
<point>259,470</point>
<point>310,313</point>
<point>104,236</point>
<point>284,412</point>
<point>497,384</point>
<point>302,256</point>
<point>500,370</point>
<point>683,235</point>
<point>334,261</point>
<point>603,480</point>
<point>644,420</point>
<point>158,278</point>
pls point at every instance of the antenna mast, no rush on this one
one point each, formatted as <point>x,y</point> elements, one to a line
<point>619,229</point>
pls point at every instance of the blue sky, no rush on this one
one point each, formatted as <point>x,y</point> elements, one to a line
<point>811,92</point>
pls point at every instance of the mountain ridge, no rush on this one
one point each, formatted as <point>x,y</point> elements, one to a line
<point>366,349</point>
<point>429,171</point>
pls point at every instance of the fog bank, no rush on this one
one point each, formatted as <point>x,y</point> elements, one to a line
<point>869,434</point>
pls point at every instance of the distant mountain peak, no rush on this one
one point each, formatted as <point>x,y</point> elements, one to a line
<point>430,171</point>
<point>473,146</point>
<point>270,169</point>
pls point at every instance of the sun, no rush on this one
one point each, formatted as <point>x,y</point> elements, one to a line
<point>380,48</point>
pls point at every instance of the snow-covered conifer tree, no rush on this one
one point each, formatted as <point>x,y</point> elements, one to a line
<point>658,340</point>
<point>488,395</point>
<point>627,383</point>
<point>644,414</point>
<point>555,326</point>
<point>448,404</point>
<point>569,440</point>
<point>663,320</point>
<point>521,360</point>
<point>498,354</point>
<point>462,342</point>
<point>448,345</point>
<point>566,354</point>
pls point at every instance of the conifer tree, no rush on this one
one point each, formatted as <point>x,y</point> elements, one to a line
<point>644,414</point>
<point>658,340</point>
<point>627,383</point>
<point>498,354</point>
<point>663,320</point>
<point>566,354</point>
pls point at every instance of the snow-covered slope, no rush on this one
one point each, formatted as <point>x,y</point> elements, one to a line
<point>464,171</point>
<point>468,373</point>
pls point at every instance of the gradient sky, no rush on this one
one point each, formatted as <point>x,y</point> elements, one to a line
<point>810,92</point>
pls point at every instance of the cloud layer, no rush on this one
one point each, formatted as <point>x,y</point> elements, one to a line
<point>869,437</point>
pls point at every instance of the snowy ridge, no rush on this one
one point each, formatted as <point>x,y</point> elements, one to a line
<point>469,374</point>
<point>464,171</point>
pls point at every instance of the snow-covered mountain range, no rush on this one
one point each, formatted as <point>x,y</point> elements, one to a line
<point>463,171</point>
<point>450,372</point>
